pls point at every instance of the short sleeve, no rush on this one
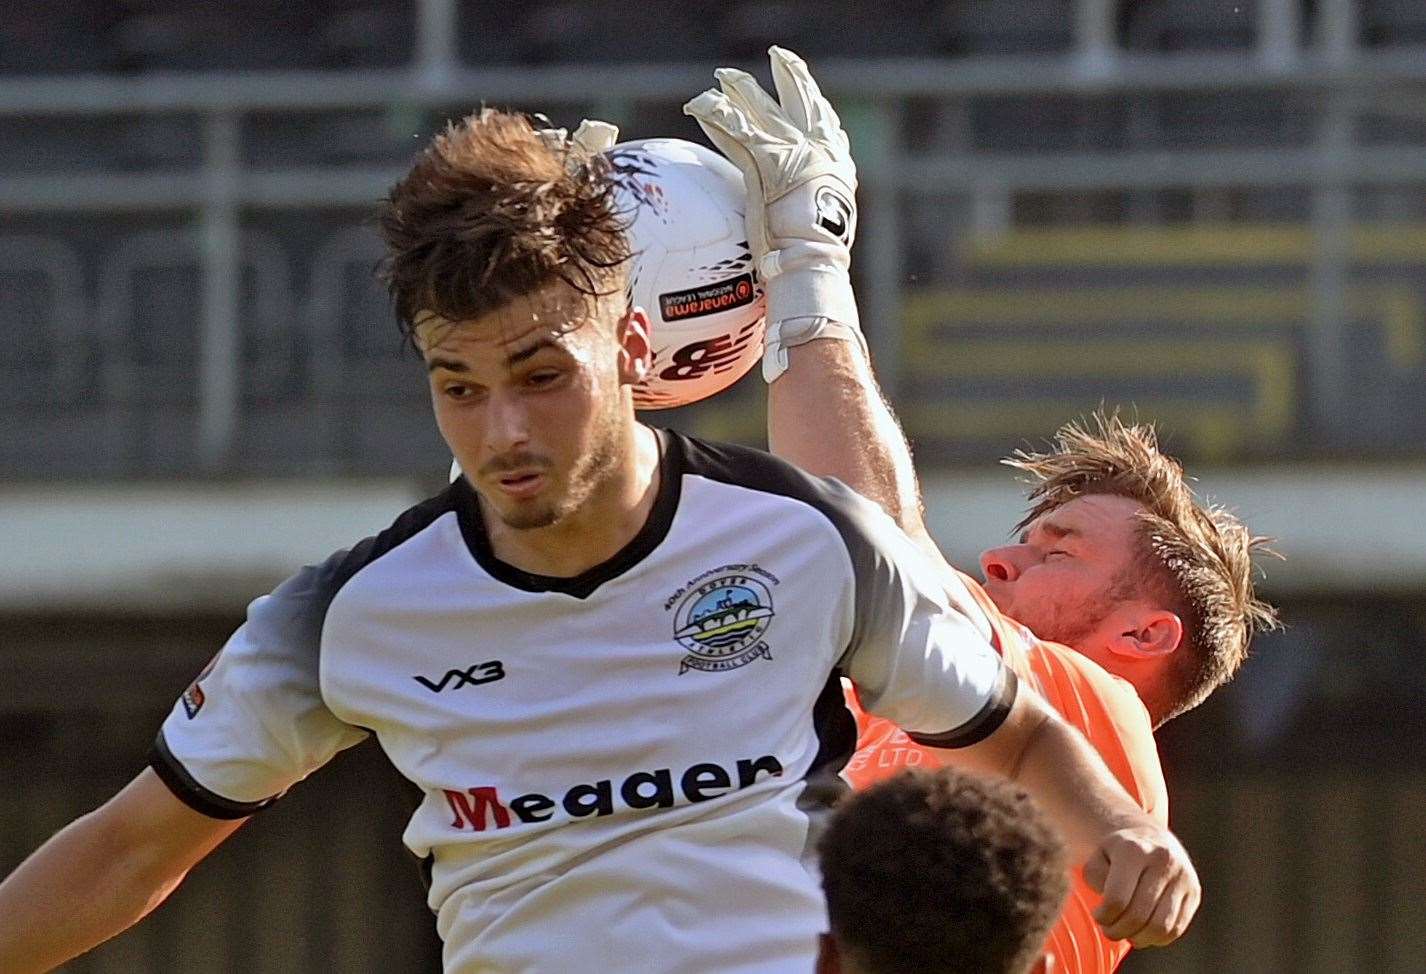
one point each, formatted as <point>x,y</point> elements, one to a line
<point>254,722</point>
<point>916,657</point>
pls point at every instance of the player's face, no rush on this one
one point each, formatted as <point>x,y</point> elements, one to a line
<point>1071,578</point>
<point>533,399</point>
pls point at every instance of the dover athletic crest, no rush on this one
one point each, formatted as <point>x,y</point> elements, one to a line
<point>722,616</point>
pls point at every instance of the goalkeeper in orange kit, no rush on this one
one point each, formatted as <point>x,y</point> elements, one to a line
<point>1124,601</point>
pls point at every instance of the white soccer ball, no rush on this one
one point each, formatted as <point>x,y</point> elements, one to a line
<point>692,272</point>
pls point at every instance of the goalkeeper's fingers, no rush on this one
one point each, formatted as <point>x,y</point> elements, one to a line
<point>802,99</point>
<point>594,136</point>
<point>764,113</point>
<point>728,128</point>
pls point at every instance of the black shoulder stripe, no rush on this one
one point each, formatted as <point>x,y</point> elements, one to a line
<point>985,722</point>
<point>191,793</point>
<point>409,524</point>
<point>757,470</point>
<point>743,466</point>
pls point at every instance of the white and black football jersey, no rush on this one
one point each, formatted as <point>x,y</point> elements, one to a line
<point>623,770</point>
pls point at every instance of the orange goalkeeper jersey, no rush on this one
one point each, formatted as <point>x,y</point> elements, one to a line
<point>1105,708</point>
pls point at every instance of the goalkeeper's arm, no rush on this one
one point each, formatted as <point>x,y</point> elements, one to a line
<point>101,874</point>
<point>825,412</point>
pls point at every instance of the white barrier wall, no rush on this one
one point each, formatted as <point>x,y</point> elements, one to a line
<point>194,547</point>
<point>215,547</point>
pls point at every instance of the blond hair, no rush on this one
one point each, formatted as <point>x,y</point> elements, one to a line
<point>1199,556</point>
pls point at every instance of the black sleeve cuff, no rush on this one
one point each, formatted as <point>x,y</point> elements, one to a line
<point>191,793</point>
<point>985,722</point>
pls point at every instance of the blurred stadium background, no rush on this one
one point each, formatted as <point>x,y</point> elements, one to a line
<point>1209,211</point>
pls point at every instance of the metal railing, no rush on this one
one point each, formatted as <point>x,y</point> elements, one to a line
<point>1334,74</point>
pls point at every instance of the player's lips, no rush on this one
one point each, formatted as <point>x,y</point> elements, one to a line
<point>521,484</point>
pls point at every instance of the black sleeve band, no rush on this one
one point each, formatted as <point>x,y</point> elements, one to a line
<point>985,722</point>
<point>194,795</point>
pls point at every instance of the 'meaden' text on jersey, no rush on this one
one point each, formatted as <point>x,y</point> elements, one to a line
<point>481,807</point>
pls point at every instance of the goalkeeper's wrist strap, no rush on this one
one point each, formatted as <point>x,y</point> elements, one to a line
<point>790,332</point>
<point>809,279</point>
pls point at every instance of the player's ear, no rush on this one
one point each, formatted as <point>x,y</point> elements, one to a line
<point>1148,635</point>
<point>636,347</point>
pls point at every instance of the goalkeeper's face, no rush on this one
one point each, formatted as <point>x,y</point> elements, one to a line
<point>1079,576</point>
<point>534,399</point>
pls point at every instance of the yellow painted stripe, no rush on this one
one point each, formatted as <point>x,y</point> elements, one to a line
<point>1213,432</point>
<point>1398,308</point>
<point>1262,244</point>
<point>1404,321</point>
<point>1270,366</point>
<point>1093,305</point>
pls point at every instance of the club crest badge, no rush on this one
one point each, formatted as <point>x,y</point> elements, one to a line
<point>721,618</point>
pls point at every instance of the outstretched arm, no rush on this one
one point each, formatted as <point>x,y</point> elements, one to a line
<point>826,414</point>
<point>1150,888</point>
<point>101,874</point>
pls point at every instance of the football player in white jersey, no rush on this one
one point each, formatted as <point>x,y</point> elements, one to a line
<point>609,656</point>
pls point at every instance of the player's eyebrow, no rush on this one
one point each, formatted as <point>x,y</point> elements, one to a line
<point>450,364</point>
<point>511,360</point>
<point>1057,532</point>
<point>529,351</point>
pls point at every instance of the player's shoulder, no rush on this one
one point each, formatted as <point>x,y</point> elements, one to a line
<point>320,582</point>
<point>1110,713</point>
<point>1115,693</point>
<point>407,525</point>
<point>757,470</point>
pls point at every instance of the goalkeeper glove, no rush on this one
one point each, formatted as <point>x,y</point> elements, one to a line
<point>802,213</point>
<point>591,138</point>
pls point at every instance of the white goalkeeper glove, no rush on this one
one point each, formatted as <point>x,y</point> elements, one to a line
<point>802,212</point>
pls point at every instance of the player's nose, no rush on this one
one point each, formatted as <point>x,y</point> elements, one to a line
<point>507,423</point>
<point>1000,564</point>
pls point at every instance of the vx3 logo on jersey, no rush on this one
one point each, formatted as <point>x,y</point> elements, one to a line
<point>472,676</point>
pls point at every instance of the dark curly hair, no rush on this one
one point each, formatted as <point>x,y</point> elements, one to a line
<point>493,210</point>
<point>942,871</point>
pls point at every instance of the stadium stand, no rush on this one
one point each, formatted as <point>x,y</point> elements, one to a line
<point>1392,23</point>
<point>143,291</point>
<point>1171,26</point>
<point>1003,28</point>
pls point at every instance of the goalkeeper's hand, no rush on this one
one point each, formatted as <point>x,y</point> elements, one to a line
<point>802,212</point>
<point>591,138</point>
